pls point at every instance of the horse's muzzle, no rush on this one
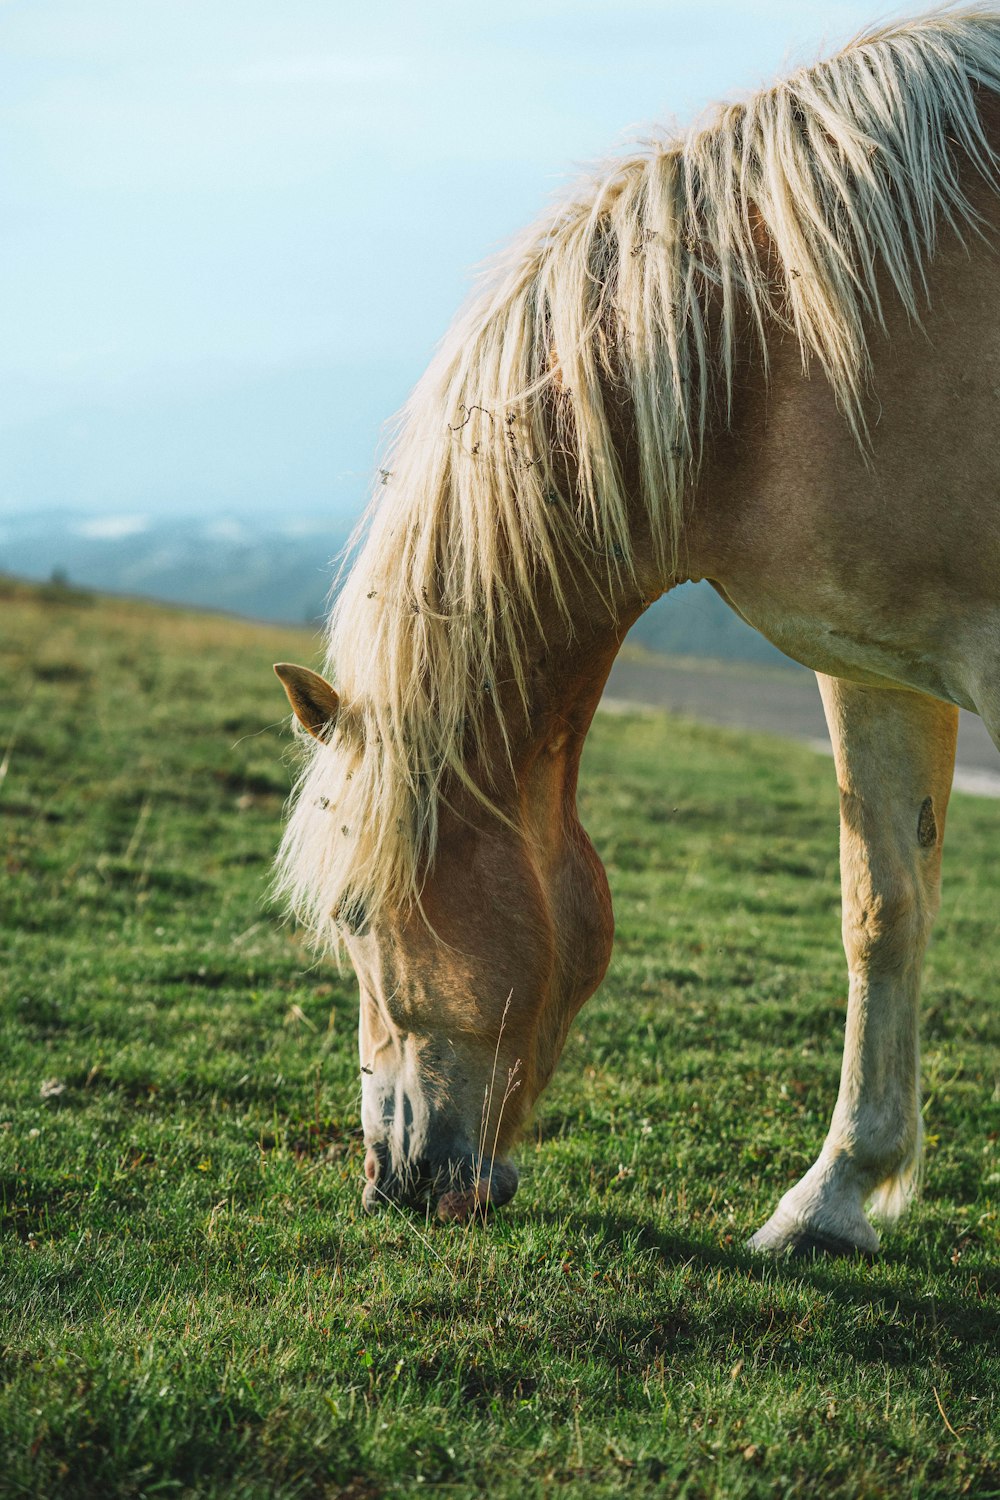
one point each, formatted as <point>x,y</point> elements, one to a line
<point>457,1190</point>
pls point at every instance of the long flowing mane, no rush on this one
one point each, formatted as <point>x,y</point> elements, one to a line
<point>787,212</point>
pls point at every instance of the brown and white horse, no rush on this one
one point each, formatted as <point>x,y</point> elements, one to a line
<point>767,355</point>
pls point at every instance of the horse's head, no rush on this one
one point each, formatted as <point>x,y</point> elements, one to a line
<point>466,997</point>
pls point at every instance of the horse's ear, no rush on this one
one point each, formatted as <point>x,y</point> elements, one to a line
<point>313,700</point>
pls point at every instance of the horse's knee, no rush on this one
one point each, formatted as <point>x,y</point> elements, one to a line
<point>887,926</point>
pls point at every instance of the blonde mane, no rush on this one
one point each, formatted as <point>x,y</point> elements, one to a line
<point>504,478</point>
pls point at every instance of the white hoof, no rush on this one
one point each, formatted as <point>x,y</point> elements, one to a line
<point>822,1214</point>
<point>783,1236</point>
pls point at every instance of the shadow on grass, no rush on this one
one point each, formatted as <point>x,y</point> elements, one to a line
<point>886,1323</point>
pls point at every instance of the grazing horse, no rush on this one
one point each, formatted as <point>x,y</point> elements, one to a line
<point>766,354</point>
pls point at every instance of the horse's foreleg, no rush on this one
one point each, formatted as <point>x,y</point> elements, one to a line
<point>895,754</point>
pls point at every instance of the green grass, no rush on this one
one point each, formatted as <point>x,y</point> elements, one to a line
<point>191,1300</point>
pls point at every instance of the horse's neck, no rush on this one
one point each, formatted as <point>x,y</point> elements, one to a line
<point>571,659</point>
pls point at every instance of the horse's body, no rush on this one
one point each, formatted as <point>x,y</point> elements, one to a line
<point>603,426</point>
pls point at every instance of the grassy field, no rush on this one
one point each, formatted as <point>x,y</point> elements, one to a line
<point>191,1300</point>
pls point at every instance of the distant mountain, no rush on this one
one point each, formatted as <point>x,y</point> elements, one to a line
<point>693,621</point>
<point>282,569</point>
<point>265,569</point>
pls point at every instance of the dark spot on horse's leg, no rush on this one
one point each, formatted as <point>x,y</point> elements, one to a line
<point>927,825</point>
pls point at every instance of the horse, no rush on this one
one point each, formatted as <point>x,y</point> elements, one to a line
<point>765,353</point>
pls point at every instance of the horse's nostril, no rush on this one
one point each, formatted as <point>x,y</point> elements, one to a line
<point>372,1199</point>
<point>378,1177</point>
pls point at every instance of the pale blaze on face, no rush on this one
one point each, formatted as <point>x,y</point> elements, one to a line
<point>465,1008</point>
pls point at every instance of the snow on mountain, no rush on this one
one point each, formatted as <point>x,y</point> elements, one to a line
<point>111,528</point>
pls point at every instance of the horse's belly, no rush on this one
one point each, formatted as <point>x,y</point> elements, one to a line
<point>945,659</point>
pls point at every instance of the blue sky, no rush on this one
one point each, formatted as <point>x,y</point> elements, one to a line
<point>234,229</point>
